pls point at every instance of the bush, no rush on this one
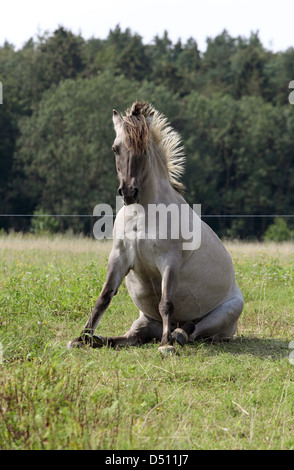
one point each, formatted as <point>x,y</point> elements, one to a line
<point>278,231</point>
<point>42,224</point>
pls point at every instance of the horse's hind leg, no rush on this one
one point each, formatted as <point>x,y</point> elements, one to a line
<point>142,331</point>
<point>181,334</point>
<point>221,323</point>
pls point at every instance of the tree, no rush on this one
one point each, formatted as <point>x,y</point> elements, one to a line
<point>59,57</point>
<point>133,61</point>
<point>229,103</point>
<point>278,72</point>
<point>247,65</point>
<point>238,160</point>
<point>65,146</point>
<point>216,63</point>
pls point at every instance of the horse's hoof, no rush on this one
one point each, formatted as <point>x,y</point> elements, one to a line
<point>92,341</point>
<point>75,343</point>
<point>180,336</point>
<point>168,350</point>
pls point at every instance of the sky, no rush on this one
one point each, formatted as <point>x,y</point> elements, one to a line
<point>273,19</point>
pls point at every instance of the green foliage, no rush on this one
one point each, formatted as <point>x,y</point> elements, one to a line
<point>43,224</point>
<point>230,104</point>
<point>278,231</point>
<point>65,146</point>
<point>234,147</point>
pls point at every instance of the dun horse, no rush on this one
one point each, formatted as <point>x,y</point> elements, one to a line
<point>182,293</point>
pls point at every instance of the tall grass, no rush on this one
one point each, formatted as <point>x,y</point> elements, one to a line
<point>238,395</point>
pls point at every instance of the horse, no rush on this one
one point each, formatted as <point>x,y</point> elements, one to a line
<point>183,292</point>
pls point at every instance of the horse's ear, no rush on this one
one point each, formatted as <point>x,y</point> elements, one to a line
<point>117,120</point>
<point>149,118</point>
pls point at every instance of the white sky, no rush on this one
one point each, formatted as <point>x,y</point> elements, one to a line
<point>274,19</point>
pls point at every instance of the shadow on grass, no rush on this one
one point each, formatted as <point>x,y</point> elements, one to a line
<point>268,348</point>
<point>264,348</point>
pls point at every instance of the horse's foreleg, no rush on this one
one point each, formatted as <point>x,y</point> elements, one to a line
<point>116,271</point>
<point>166,305</point>
<point>166,309</point>
<point>100,307</point>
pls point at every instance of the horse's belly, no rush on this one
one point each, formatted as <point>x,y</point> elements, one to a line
<point>198,292</point>
<point>146,294</point>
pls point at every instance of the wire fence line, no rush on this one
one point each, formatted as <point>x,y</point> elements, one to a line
<point>114,215</point>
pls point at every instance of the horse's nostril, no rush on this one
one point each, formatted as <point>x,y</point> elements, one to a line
<point>128,193</point>
<point>135,193</point>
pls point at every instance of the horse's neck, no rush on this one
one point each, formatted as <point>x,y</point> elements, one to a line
<point>156,187</point>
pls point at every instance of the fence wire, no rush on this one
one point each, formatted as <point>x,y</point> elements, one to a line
<point>114,215</point>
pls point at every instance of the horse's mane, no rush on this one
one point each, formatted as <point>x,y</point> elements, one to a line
<point>140,122</point>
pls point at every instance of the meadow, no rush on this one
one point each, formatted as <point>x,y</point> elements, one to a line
<point>236,395</point>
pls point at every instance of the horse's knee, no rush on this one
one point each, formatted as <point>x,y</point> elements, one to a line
<point>236,308</point>
<point>232,309</point>
<point>240,304</point>
<point>166,307</point>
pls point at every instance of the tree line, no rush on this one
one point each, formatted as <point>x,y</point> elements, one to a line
<point>229,103</point>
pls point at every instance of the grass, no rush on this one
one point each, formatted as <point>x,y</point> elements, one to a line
<point>238,395</point>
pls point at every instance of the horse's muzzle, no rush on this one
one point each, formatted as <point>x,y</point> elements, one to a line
<point>129,194</point>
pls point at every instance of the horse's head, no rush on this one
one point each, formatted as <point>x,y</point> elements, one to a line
<point>130,148</point>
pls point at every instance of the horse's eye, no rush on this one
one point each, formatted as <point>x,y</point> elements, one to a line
<point>115,148</point>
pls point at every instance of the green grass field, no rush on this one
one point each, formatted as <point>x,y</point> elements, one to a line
<point>238,395</point>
